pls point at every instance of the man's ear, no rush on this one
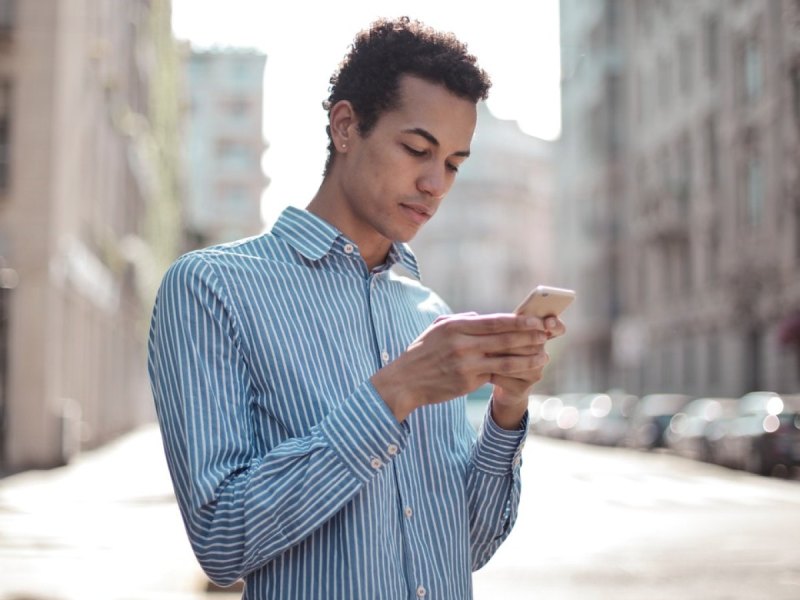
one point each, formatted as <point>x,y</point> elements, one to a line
<point>343,124</point>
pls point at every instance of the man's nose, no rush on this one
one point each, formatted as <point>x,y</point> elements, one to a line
<point>434,182</point>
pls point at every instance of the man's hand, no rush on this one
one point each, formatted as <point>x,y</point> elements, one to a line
<point>459,353</point>
<point>510,397</point>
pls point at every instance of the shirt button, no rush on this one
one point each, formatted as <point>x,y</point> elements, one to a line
<point>376,463</point>
<point>385,356</point>
<point>408,512</point>
<point>421,591</point>
<point>392,449</point>
<point>348,248</point>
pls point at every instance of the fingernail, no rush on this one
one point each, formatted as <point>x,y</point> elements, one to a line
<point>551,323</point>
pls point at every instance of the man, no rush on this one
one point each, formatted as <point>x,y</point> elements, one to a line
<point>311,400</point>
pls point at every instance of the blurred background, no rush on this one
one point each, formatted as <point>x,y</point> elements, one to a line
<point>644,152</point>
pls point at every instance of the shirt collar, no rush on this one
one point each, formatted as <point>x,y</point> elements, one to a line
<point>314,238</point>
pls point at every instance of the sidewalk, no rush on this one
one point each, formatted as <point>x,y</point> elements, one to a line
<point>105,526</point>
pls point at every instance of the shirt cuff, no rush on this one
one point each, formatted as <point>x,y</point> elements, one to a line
<point>364,432</point>
<point>498,451</point>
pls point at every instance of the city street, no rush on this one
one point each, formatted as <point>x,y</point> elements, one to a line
<point>595,523</point>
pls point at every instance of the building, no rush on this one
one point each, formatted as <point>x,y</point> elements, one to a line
<point>589,215</point>
<point>224,145</point>
<point>88,216</point>
<point>680,187</point>
<point>490,241</point>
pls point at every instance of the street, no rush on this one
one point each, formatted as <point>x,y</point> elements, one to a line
<point>609,523</point>
<point>594,523</point>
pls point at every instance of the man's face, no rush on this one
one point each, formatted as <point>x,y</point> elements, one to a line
<point>395,177</point>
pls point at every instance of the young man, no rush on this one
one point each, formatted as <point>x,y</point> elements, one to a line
<point>311,400</point>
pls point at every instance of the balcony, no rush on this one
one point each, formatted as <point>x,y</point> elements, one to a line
<point>7,19</point>
<point>667,220</point>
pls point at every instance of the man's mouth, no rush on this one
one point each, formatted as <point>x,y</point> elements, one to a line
<point>419,213</point>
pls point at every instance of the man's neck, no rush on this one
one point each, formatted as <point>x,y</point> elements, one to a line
<point>328,205</point>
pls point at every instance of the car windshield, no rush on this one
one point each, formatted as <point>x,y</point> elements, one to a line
<point>663,404</point>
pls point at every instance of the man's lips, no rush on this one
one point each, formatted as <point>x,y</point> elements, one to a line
<point>419,213</point>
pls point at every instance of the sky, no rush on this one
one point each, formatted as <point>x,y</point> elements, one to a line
<point>515,42</point>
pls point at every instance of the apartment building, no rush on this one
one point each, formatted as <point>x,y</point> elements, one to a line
<point>88,216</point>
<point>223,145</point>
<point>680,187</point>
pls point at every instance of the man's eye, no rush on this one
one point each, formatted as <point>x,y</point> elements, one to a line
<point>453,168</point>
<point>414,151</point>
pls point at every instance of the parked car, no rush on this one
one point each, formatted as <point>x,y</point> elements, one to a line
<point>763,437</point>
<point>651,418</point>
<point>603,418</point>
<point>557,415</point>
<point>687,434</point>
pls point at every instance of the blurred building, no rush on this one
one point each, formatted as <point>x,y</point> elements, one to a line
<point>88,214</point>
<point>679,193</point>
<point>489,243</point>
<point>224,145</point>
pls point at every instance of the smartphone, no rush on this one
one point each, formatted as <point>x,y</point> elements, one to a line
<point>545,301</point>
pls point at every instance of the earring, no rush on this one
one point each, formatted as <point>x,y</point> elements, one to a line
<point>344,147</point>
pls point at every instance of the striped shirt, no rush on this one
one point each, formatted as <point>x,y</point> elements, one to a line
<point>289,469</point>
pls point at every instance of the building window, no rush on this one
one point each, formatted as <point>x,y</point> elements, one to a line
<point>712,152</point>
<point>683,188</point>
<point>237,203</point>
<point>6,15</point>
<point>638,101</point>
<point>751,70</point>
<point>644,16</point>
<point>712,250</point>
<point>232,154</point>
<point>797,232</point>
<point>713,362</point>
<point>666,170</point>
<point>685,64</point>
<point>664,81</point>
<point>685,266</point>
<point>5,135</point>
<point>755,191</point>
<point>689,364</point>
<point>711,34</point>
<point>795,81</point>
<point>238,109</point>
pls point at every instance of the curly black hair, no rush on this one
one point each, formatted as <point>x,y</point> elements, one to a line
<point>369,74</point>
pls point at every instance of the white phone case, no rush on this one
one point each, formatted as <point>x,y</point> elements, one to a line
<point>545,301</point>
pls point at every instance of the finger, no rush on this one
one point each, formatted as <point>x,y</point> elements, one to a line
<point>450,316</point>
<point>514,366</point>
<point>495,323</point>
<point>522,350</point>
<point>526,342</point>
<point>515,385</point>
<point>554,326</point>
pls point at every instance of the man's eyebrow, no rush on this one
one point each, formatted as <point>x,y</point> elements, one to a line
<point>432,139</point>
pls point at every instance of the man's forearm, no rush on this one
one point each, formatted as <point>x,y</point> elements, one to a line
<point>395,392</point>
<point>509,417</point>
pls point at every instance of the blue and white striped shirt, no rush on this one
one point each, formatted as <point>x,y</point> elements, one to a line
<point>289,469</point>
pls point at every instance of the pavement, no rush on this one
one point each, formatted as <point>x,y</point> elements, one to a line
<point>600,523</point>
<point>104,526</point>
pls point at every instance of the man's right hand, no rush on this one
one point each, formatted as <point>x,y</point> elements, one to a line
<point>459,353</point>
